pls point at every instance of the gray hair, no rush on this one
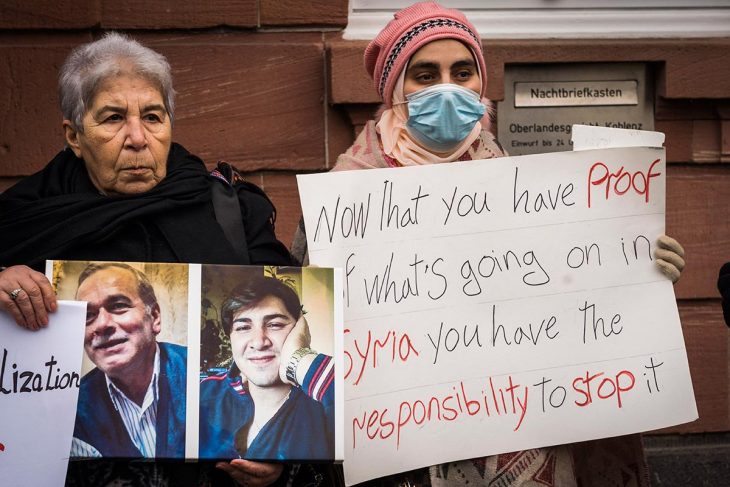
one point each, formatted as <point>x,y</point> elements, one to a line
<point>144,286</point>
<point>114,54</point>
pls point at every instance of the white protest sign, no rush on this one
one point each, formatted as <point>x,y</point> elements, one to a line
<point>586,137</point>
<point>499,305</point>
<point>39,385</point>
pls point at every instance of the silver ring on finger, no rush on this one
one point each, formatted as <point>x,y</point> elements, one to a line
<point>14,293</point>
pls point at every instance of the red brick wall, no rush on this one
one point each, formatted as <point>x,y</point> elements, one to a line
<point>250,77</point>
<point>270,86</point>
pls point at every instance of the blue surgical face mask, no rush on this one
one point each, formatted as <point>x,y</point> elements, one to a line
<point>442,115</point>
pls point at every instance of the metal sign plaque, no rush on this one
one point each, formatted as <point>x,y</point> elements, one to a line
<point>542,102</point>
<point>576,93</point>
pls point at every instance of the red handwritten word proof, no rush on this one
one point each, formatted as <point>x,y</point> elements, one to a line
<point>623,181</point>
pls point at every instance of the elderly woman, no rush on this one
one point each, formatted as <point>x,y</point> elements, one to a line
<point>428,67</point>
<point>122,190</point>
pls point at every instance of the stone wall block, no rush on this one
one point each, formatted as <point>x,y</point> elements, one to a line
<point>697,203</point>
<point>331,13</point>
<point>665,109</point>
<point>706,339</point>
<point>30,120</point>
<point>349,82</point>
<point>698,69</point>
<point>679,139</point>
<point>706,141</point>
<point>255,100</point>
<point>41,14</point>
<point>340,134</point>
<point>177,14</point>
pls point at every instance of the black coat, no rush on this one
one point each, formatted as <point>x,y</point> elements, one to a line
<point>57,213</point>
<point>723,285</point>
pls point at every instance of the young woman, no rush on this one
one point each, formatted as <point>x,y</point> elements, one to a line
<point>428,66</point>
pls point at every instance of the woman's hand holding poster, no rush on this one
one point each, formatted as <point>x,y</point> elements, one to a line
<point>39,380</point>
<point>499,305</point>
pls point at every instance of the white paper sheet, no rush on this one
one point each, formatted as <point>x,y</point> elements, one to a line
<point>39,374</point>
<point>586,137</point>
<point>512,299</point>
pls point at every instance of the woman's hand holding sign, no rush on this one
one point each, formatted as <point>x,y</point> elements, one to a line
<point>27,296</point>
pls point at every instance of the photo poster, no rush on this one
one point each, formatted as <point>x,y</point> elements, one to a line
<point>178,306</point>
<point>500,305</point>
<point>39,378</point>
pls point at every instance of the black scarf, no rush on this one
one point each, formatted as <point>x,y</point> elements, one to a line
<point>58,211</point>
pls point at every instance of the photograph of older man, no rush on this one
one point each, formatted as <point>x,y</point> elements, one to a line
<point>126,406</point>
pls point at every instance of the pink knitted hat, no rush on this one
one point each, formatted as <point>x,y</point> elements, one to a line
<point>411,28</point>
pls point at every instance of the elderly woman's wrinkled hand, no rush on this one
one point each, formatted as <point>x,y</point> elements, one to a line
<point>669,257</point>
<point>252,474</point>
<point>27,296</point>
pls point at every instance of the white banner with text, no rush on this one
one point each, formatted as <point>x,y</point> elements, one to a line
<point>500,305</point>
<point>39,386</point>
